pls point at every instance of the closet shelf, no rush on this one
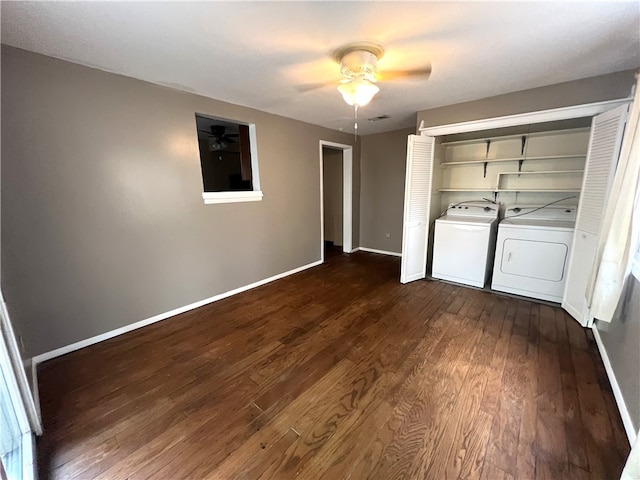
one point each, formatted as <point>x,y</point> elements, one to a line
<point>540,172</point>
<point>543,190</point>
<point>512,136</point>
<point>465,190</point>
<point>497,190</point>
<point>512,159</point>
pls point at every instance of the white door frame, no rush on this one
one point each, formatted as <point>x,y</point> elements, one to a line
<point>563,113</point>
<point>347,196</point>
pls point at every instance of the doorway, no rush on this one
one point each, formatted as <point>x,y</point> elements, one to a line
<point>336,176</point>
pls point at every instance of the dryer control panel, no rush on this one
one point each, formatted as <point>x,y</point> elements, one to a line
<point>565,213</point>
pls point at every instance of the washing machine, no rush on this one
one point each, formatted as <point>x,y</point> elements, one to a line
<point>532,251</point>
<point>464,241</point>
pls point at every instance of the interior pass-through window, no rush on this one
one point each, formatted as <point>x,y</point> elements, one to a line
<point>228,159</point>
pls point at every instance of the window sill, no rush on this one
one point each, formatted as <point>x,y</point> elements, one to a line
<point>232,197</point>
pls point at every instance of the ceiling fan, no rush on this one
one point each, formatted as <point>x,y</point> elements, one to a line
<point>218,133</point>
<point>220,139</point>
<point>359,69</point>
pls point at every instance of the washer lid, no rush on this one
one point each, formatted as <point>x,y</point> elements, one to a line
<point>456,219</point>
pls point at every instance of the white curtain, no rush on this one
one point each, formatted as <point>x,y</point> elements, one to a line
<point>621,224</point>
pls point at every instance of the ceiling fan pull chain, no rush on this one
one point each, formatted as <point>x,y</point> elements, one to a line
<point>355,131</point>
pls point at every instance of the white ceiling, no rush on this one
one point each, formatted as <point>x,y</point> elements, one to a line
<point>257,53</point>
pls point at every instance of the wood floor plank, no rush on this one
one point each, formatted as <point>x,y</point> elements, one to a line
<point>228,429</point>
<point>491,472</point>
<point>577,473</point>
<point>551,458</point>
<point>342,456</point>
<point>621,441</point>
<point>422,437</point>
<point>299,406</point>
<point>574,430</point>
<point>527,442</point>
<point>598,429</point>
<point>491,396</point>
<point>517,384</point>
<point>461,452</point>
<point>505,431</point>
<point>337,372</point>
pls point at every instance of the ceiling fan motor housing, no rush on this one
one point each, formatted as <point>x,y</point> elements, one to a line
<point>359,63</point>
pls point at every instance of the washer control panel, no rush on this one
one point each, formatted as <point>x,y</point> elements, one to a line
<point>473,209</point>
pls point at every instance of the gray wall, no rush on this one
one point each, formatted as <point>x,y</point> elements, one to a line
<point>333,193</point>
<point>382,164</point>
<point>577,92</point>
<point>621,339</point>
<point>103,222</point>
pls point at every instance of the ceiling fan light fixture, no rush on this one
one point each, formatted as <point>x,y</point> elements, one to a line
<point>358,91</point>
<point>217,144</point>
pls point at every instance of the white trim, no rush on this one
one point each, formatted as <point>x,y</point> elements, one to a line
<point>617,393</point>
<point>564,113</point>
<point>571,310</point>
<point>232,197</point>
<point>347,194</point>
<point>10,377</point>
<point>162,316</point>
<point>381,252</point>
<point>322,204</point>
<point>18,403</point>
<point>253,147</point>
<point>347,199</point>
<point>28,451</point>
<point>35,389</point>
<point>28,401</point>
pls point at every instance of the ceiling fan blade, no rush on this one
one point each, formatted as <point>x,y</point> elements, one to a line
<point>396,74</point>
<point>308,87</point>
<point>228,139</point>
<point>205,132</point>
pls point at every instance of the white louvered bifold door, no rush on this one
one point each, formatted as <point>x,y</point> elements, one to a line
<point>602,157</point>
<point>417,200</point>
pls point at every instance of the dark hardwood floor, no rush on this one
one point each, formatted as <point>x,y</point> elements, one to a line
<point>338,372</point>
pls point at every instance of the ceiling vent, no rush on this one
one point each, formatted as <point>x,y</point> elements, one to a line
<point>378,118</point>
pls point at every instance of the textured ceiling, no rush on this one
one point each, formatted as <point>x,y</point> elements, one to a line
<point>257,53</point>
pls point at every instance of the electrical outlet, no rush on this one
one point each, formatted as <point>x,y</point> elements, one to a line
<point>388,234</point>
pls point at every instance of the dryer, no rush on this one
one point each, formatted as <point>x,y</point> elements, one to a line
<point>464,240</point>
<point>532,251</point>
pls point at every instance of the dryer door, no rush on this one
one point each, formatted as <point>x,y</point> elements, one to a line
<point>532,262</point>
<point>523,258</point>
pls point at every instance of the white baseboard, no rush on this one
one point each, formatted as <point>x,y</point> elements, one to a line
<point>162,316</point>
<point>382,252</point>
<point>617,393</point>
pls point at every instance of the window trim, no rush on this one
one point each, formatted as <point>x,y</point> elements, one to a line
<point>232,197</point>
